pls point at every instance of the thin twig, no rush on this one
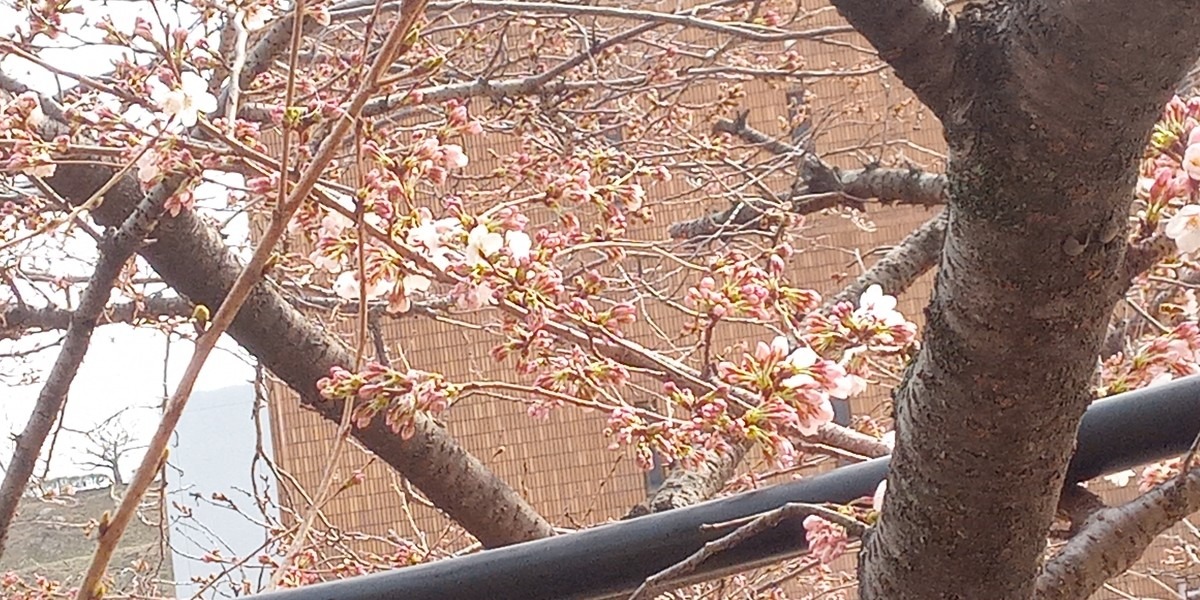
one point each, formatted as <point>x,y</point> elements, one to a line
<point>90,588</point>
<point>54,393</point>
<point>747,528</point>
<point>325,483</point>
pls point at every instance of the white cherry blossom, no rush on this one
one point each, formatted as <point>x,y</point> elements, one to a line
<point>430,236</point>
<point>1121,478</point>
<point>1184,228</point>
<point>880,305</point>
<point>482,243</point>
<point>43,169</point>
<point>187,101</point>
<point>415,282</point>
<point>346,287</point>
<point>256,17</point>
<point>453,156</point>
<point>519,244</point>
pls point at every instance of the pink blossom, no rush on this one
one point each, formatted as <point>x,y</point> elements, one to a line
<point>1158,473</point>
<point>826,541</point>
<point>400,300</point>
<point>147,165</point>
<point>333,224</point>
<point>32,103</point>
<point>178,202</point>
<point>346,286</point>
<point>819,411</point>
<point>1191,161</point>
<point>474,297</point>
<point>453,156</point>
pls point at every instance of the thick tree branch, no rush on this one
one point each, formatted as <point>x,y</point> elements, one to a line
<point>914,256</point>
<point>15,320</point>
<point>192,258</point>
<point>1079,505</point>
<point>1115,538</point>
<point>820,186</point>
<point>918,38</point>
<point>53,394</point>
<point>116,248</point>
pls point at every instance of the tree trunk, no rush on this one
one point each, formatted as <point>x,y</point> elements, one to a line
<point>1049,109</point>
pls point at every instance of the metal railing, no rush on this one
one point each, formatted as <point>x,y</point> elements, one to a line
<point>611,560</point>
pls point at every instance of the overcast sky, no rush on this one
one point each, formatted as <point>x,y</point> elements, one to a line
<point>124,366</point>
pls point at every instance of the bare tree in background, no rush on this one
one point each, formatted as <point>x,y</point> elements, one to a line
<point>105,445</point>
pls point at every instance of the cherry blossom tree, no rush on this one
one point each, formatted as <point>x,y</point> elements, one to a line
<point>344,131</point>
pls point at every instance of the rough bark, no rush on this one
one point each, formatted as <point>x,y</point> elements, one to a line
<point>192,258</point>
<point>918,38</point>
<point>1046,119</point>
<point>1113,539</point>
<point>17,320</point>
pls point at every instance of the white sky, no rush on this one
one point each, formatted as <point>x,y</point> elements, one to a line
<point>123,370</point>
<point>124,366</point>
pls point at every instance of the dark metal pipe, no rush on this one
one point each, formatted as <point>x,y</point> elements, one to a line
<point>1116,433</point>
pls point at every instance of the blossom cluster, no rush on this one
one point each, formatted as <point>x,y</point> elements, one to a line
<point>780,391</point>
<point>16,587</point>
<point>1157,360</point>
<point>1158,473</point>
<point>575,375</point>
<point>826,541</point>
<point>309,566</point>
<point>1170,176</point>
<point>399,395</point>
<point>874,328</point>
<point>748,289</point>
<point>25,151</point>
<point>791,390</point>
<point>475,255</point>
